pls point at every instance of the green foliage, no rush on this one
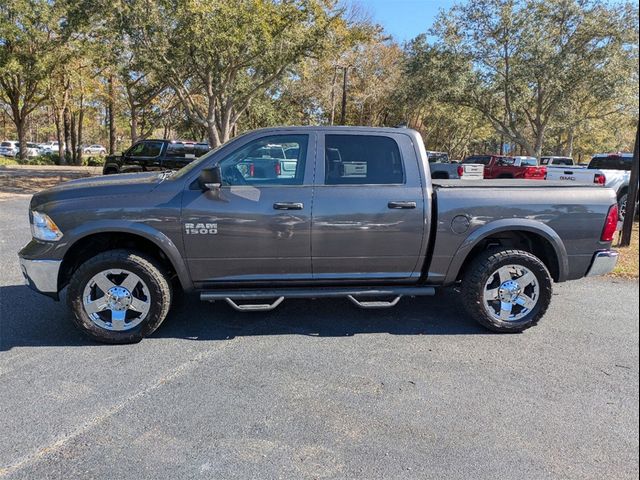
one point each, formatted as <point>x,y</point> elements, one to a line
<point>557,76</point>
<point>526,63</point>
<point>8,161</point>
<point>219,56</point>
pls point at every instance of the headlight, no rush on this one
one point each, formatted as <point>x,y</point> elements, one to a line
<point>43,228</point>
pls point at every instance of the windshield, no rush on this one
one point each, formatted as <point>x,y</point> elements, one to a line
<point>438,157</point>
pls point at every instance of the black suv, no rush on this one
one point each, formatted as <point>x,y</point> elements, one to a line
<point>148,155</point>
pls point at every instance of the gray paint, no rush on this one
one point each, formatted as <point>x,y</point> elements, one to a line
<point>343,233</point>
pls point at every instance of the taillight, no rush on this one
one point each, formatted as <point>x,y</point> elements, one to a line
<point>532,172</point>
<point>610,225</point>
<point>252,170</point>
<point>460,170</point>
<point>278,168</point>
<point>599,179</point>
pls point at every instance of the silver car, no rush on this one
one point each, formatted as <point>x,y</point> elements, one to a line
<point>94,150</point>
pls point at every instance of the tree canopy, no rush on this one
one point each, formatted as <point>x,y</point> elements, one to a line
<point>544,76</point>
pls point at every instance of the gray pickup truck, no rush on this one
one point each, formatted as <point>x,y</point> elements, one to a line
<point>358,218</point>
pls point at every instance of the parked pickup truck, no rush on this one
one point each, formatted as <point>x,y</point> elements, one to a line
<point>500,166</point>
<point>613,170</point>
<point>557,162</point>
<point>122,244</point>
<point>154,155</point>
<point>443,168</point>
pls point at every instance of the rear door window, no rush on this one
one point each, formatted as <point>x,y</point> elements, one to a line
<point>362,160</point>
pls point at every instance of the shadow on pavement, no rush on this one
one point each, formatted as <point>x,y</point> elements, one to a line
<point>30,319</point>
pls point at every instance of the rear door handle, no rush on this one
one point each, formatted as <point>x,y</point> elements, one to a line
<point>401,205</point>
<point>288,206</point>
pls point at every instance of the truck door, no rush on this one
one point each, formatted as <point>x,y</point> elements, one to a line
<point>257,227</point>
<point>368,210</point>
<point>143,156</point>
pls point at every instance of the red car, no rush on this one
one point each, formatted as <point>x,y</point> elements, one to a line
<point>500,166</point>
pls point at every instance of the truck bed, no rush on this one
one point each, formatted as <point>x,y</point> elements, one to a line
<point>507,183</point>
<point>572,215</point>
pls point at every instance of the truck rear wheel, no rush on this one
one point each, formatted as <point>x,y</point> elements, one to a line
<point>119,296</point>
<point>507,290</point>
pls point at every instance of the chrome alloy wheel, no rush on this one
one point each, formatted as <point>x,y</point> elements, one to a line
<point>116,299</point>
<point>511,292</point>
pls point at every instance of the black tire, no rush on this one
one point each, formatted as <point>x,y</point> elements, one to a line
<point>485,266</point>
<point>148,269</point>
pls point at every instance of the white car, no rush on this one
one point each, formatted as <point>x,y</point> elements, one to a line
<point>49,148</point>
<point>33,150</point>
<point>94,150</point>
<point>9,148</point>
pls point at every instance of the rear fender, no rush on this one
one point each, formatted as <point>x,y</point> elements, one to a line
<point>506,225</point>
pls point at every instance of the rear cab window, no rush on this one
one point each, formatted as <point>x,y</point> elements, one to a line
<point>482,159</point>
<point>528,162</point>
<point>362,160</point>
<point>611,162</point>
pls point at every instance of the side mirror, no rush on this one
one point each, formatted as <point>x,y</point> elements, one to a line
<point>210,178</point>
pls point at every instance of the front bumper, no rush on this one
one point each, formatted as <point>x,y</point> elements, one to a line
<point>41,275</point>
<point>603,263</point>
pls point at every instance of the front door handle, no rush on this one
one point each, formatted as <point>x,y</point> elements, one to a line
<point>288,206</point>
<point>401,205</point>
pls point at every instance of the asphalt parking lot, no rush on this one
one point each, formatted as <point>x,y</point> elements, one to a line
<point>319,389</point>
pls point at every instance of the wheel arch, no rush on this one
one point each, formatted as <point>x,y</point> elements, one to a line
<point>528,235</point>
<point>139,238</point>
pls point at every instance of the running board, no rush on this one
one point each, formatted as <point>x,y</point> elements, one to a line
<point>232,296</point>
<point>255,307</point>
<point>374,303</point>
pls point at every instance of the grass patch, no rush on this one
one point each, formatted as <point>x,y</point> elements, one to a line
<point>627,266</point>
<point>8,161</point>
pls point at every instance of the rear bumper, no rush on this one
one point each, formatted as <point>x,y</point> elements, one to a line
<point>603,263</point>
<point>41,275</point>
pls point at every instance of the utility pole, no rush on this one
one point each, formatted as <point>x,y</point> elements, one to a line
<point>343,115</point>
<point>632,197</point>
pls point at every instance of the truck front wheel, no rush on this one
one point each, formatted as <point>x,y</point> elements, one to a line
<point>507,290</point>
<point>119,296</point>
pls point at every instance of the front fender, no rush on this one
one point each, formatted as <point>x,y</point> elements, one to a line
<point>37,250</point>
<point>162,241</point>
<point>509,225</point>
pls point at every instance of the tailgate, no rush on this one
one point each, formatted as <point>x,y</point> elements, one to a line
<point>575,175</point>
<point>473,171</point>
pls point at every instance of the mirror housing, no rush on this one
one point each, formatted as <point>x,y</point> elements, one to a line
<point>210,178</point>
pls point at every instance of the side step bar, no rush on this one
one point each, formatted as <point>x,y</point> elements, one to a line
<point>233,296</point>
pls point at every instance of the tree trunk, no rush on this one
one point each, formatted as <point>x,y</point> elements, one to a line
<point>59,137</point>
<point>67,134</point>
<point>112,123</point>
<point>74,140</point>
<point>134,124</point>
<point>80,123</point>
<point>21,138</point>
<point>570,142</point>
